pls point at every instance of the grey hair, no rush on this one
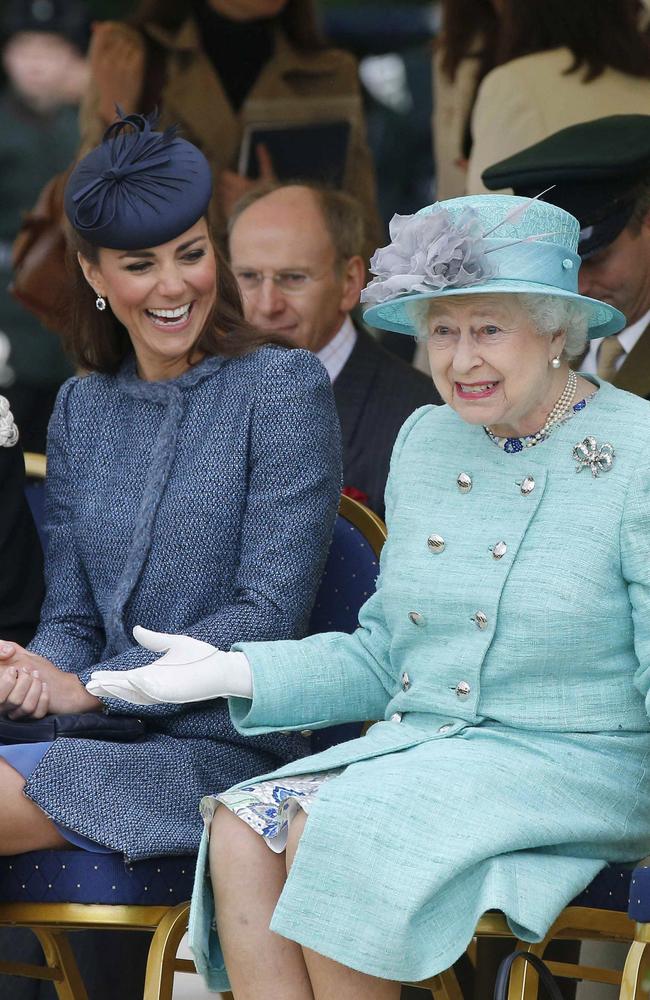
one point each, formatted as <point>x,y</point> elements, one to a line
<point>549,313</point>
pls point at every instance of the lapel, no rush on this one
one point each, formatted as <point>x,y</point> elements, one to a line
<point>354,383</point>
<point>193,95</point>
<point>634,373</point>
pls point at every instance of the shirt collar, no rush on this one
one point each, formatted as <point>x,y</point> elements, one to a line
<point>337,351</point>
<point>629,336</point>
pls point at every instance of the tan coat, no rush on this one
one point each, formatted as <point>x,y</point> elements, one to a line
<point>530,98</point>
<point>452,104</point>
<point>292,87</point>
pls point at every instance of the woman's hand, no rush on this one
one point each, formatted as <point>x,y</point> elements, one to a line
<point>22,695</point>
<point>189,671</point>
<point>117,62</point>
<point>231,186</point>
<point>66,693</point>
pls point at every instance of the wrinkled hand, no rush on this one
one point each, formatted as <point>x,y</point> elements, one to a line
<point>190,670</point>
<point>231,187</point>
<point>117,62</point>
<point>64,690</point>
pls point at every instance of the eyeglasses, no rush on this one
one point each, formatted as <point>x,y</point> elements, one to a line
<point>292,282</point>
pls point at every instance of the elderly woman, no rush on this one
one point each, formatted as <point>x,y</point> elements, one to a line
<point>506,650</point>
<point>193,479</point>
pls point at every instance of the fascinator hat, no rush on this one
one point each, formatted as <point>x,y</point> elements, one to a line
<point>138,188</point>
<point>476,245</point>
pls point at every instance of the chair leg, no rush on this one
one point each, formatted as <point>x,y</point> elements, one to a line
<point>637,966</point>
<point>159,979</point>
<point>524,981</point>
<point>58,955</point>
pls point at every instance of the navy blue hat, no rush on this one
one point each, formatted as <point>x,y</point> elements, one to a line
<point>593,169</point>
<point>139,188</point>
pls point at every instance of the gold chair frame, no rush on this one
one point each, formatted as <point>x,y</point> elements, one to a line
<point>51,922</point>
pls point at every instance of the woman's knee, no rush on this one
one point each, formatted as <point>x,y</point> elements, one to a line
<point>234,847</point>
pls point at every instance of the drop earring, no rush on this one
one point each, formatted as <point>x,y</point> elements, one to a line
<point>100,303</point>
<point>555,363</point>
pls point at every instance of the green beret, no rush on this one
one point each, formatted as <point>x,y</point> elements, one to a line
<point>595,168</point>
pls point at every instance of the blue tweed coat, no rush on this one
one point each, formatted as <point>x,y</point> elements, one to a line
<point>201,505</point>
<point>511,764</point>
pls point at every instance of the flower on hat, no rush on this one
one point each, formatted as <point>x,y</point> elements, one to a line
<point>428,252</point>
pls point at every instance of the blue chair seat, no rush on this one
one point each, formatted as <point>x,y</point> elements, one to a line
<point>81,877</point>
<point>610,890</point>
<point>639,909</point>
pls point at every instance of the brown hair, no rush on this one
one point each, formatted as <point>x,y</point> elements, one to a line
<point>469,27</point>
<point>599,34</point>
<point>342,214</point>
<point>98,342</point>
<point>298,19</point>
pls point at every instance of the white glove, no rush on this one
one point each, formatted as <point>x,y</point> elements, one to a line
<point>190,670</point>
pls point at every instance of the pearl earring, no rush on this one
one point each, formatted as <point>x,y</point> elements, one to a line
<point>555,363</point>
<point>100,303</point>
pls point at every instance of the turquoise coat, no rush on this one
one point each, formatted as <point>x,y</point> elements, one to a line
<point>511,764</point>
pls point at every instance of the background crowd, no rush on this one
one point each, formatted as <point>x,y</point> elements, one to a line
<point>423,102</point>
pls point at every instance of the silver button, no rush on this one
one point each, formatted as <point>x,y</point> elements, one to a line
<point>499,550</point>
<point>396,717</point>
<point>445,729</point>
<point>463,689</point>
<point>416,617</point>
<point>406,681</point>
<point>480,619</point>
<point>526,486</point>
<point>306,733</point>
<point>464,482</point>
<point>436,543</point>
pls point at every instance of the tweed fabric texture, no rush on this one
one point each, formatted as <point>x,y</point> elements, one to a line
<point>202,505</point>
<point>513,791</point>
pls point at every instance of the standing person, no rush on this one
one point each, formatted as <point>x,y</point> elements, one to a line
<point>600,172</point>
<point>219,65</point>
<point>465,51</point>
<point>296,252</point>
<point>42,56</point>
<point>557,64</point>
<point>501,642</point>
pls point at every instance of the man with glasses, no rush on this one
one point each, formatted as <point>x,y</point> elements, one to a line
<point>296,253</point>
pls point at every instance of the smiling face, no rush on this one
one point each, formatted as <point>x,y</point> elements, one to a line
<point>283,236</point>
<point>491,365</point>
<point>163,296</point>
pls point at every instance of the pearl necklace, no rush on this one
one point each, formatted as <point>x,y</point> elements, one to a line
<point>557,414</point>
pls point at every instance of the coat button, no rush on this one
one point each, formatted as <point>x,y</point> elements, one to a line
<point>526,486</point>
<point>464,482</point>
<point>445,729</point>
<point>499,550</point>
<point>406,681</point>
<point>396,717</point>
<point>480,619</point>
<point>463,689</point>
<point>436,543</point>
<point>416,617</point>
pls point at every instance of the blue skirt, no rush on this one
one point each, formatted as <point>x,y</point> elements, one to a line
<point>25,758</point>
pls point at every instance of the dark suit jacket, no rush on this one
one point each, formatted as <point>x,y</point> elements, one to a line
<point>634,373</point>
<point>375,393</point>
<point>21,558</point>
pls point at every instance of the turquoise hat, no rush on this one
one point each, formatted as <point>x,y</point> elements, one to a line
<point>477,245</point>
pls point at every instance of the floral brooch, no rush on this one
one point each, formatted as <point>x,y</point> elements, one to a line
<point>588,454</point>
